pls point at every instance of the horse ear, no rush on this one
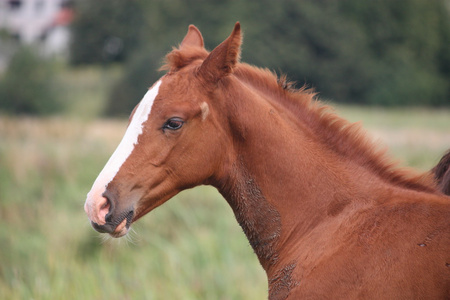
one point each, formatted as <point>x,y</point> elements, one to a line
<point>222,60</point>
<point>193,38</point>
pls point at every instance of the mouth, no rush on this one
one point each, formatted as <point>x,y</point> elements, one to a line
<point>121,229</point>
<point>117,227</point>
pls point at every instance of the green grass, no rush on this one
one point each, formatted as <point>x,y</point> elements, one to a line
<point>84,90</point>
<point>189,248</point>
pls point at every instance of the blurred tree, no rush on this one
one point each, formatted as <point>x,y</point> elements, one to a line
<point>28,85</point>
<point>140,74</point>
<point>410,43</point>
<point>368,52</point>
<point>314,44</point>
<point>105,30</point>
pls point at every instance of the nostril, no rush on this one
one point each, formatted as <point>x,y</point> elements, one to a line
<point>106,205</point>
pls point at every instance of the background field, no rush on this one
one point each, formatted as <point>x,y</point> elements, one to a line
<point>190,248</point>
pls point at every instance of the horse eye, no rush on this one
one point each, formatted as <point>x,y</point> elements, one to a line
<point>173,124</point>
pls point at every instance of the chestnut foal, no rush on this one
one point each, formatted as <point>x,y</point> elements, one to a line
<point>327,214</point>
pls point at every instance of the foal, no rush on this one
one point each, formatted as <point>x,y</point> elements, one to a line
<point>327,214</point>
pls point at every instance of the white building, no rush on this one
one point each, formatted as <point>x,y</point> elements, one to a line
<point>42,22</point>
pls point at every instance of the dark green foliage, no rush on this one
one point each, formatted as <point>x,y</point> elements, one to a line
<point>409,42</point>
<point>28,85</point>
<point>315,44</point>
<point>105,30</point>
<point>377,52</point>
<point>140,74</point>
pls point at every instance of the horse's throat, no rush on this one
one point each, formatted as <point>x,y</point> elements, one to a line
<point>260,221</point>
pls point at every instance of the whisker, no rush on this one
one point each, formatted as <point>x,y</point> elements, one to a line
<point>104,238</point>
<point>132,237</point>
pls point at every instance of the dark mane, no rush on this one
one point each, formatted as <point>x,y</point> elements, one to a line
<point>345,138</point>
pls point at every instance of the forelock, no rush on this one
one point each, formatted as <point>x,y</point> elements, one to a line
<point>180,57</point>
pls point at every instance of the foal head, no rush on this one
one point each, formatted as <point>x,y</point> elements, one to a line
<point>174,138</point>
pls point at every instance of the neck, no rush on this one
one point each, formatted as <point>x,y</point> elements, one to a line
<point>264,181</point>
<point>270,196</point>
<point>283,180</point>
<point>259,219</point>
<point>277,206</point>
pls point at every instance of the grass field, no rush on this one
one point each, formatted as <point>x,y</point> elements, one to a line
<point>190,248</point>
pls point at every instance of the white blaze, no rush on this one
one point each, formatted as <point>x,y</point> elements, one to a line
<point>124,149</point>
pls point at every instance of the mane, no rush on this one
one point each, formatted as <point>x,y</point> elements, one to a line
<point>344,138</point>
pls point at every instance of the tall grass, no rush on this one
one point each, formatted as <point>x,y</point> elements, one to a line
<point>190,248</point>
